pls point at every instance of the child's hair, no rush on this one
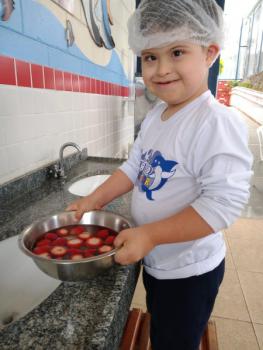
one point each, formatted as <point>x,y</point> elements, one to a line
<point>157,23</point>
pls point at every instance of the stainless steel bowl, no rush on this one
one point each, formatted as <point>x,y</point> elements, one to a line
<point>68,270</point>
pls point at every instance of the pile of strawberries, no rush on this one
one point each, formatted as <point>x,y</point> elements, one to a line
<point>74,242</point>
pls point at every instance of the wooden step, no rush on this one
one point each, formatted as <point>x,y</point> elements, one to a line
<point>137,328</point>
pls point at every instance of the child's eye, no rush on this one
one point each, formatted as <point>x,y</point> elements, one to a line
<point>177,53</point>
<point>149,58</point>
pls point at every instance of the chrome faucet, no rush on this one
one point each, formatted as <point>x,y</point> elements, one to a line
<point>59,168</point>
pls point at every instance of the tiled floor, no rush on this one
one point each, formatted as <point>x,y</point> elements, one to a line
<point>238,311</point>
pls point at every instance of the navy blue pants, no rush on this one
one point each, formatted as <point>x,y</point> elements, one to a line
<point>181,308</point>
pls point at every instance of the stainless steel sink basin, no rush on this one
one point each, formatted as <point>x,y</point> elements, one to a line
<point>87,185</point>
<point>23,286</point>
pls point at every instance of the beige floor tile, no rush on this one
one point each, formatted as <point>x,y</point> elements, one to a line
<point>252,286</point>
<point>230,302</point>
<point>139,294</point>
<point>247,254</point>
<point>246,229</point>
<point>235,335</point>
<point>259,333</point>
<point>138,306</point>
<point>229,258</point>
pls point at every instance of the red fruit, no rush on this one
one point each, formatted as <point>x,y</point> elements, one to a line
<point>58,251</point>
<point>59,241</point>
<point>77,230</point>
<point>94,242</point>
<point>74,243</point>
<point>104,249</point>
<point>41,249</point>
<point>89,253</point>
<point>73,251</point>
<point>69,237</point>
<point>62,232</point>
<point>51,236</point>
<point>109,240</point>
<point>103,233</point>
<point>84,235</point>
<point>43,242</point>
<point>77,257</point>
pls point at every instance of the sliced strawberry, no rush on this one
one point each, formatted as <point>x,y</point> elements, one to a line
<point>109,240</point>
<point>94,242</point>
<point>73,251</point>
<point>103,233</point>
<point>104,249</point>
<point>51,236</point>
<point>77,257</point>
<point>45,255</point>
<point>84,235</point>
<point>76,230</point>
<point>69,237</point>
<point>89,253</point>
<point>41,249</point>
<point>62,232</point>
<point>43,242</point>
<point>59,241</point>
<point>75,243</point>
<point>58,251</point>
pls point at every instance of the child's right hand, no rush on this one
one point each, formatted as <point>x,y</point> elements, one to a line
<point>82,205</point>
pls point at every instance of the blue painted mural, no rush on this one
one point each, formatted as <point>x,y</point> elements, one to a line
<point>34,34</point>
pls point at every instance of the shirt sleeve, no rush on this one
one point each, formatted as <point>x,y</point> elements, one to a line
<point>222,167</point>
<point>132,165</point>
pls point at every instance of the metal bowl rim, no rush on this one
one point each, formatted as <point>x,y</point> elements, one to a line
<point>66,261</point>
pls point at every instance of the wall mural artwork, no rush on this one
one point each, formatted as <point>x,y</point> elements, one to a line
<point>69,33</point>
<point>66,4</point>
<point>99,19</point>
<point>6,9</point>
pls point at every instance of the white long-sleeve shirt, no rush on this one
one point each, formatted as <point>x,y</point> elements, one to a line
<point>199,157</point>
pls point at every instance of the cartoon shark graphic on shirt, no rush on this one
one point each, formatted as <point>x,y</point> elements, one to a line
<point>154,172</point>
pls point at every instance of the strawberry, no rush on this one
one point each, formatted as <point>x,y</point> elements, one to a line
<point>51,236</point>
<point>74,243</point>
<point>89,253</point>
<point>109,240</point>
<point>94,242</point>
<point>58,251</point>
<point>62,232</point>
<point>41,249</point>
<point>104,249</point>
<point>69,237</point>
<point>77,257</point>
<point>45,255</point>
<point>43,242</point>
<point>73,251</point>
<point>59,241</point>
<point>84,235</point>
<point>103,233</point>
<point>76,230</point>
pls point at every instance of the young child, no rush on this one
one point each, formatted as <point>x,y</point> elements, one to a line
<point>189,170</point>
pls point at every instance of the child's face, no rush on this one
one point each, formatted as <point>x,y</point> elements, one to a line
<point>177,73</point>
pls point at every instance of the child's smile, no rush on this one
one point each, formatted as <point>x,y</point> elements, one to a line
<point>177,73</point>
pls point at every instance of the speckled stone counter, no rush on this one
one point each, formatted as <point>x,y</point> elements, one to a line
<point>88,315</point>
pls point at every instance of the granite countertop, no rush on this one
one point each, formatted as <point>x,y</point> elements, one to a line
<point>86,315</point>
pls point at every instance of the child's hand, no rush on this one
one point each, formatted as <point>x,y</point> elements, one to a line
<point>134,244</point>
<point>82,205</point>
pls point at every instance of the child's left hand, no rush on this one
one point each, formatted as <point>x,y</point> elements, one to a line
<point>134,244</point>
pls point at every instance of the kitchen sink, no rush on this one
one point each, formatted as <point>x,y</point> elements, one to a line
<point>23,286</point>
<point>87,185</point>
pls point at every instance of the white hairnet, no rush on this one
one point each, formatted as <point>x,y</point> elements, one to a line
<point>157,23</point>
